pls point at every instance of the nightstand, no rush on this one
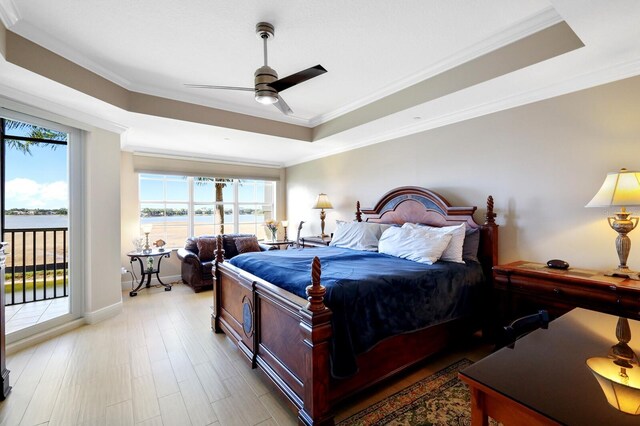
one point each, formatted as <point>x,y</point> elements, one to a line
<point>523,287</point>
<point>315,241</point>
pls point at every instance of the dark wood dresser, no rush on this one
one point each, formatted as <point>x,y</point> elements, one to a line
<point>523,287</point>
<point>4,373</point>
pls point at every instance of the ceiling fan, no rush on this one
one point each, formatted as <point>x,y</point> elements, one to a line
<point>267,85</point>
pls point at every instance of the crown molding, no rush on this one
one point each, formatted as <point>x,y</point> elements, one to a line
<point>9,13</point>
<point>16,100</point>
<point>572,83</point>
<point>513,33</point>
<point>174,155</point>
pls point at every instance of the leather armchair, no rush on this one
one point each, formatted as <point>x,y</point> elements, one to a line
<point>196,272</point>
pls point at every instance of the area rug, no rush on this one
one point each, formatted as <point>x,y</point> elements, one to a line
<point>440,399</point>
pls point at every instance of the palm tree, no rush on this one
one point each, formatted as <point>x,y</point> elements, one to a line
<point>220,184</point>
<point>35,132</point>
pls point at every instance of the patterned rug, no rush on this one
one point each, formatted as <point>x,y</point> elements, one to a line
<point>440,399</point>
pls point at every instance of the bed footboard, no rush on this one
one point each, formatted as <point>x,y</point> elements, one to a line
<point>292,348</point>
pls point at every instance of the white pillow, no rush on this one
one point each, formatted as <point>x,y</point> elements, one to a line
<point>453,252</point>
<point>411,244</point>
<point>356,235</point>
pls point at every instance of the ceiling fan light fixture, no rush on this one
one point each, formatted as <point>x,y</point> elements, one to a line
<point>266,97</point>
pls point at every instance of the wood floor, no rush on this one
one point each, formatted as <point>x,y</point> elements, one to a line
<point>158,363</point>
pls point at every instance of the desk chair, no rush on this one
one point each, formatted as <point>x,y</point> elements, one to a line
<point>521,327</point>
<point>298,245</point>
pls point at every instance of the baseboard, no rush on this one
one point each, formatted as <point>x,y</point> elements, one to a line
<point>45,335</point>
<point>126,284</point>
<point>89,318</point>
<point>103,314</point>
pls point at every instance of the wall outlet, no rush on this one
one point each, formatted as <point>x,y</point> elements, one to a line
<point>123,270</point>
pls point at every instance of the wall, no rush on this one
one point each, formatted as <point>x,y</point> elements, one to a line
<point>102,222</point>
<point>130,229</point>
<point>541,162</point>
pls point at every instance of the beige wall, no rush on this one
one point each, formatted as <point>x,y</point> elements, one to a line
<point>541,162</point>
<point>102,221</point>
<point>130,229</point>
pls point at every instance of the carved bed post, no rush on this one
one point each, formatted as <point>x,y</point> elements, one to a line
<point>489,252</point>
<point>490,229</point>
<point>219,258</point>
<point>315,326</point>
<point>358,212</point>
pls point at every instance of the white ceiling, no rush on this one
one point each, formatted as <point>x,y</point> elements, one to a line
<point>371,49</point>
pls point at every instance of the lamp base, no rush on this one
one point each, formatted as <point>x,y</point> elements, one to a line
<point>623,272</point>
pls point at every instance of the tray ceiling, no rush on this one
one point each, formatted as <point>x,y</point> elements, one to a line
<point>372,50</point>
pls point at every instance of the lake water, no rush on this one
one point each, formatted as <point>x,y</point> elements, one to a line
<point>44,221</point>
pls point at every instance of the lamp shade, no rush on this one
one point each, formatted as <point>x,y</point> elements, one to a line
<point>619,189</point>
<point>147,228</point>
<point>620,386</point>
<point>322,202</point>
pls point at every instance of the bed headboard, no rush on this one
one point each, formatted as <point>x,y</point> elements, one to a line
<point>419,205</point>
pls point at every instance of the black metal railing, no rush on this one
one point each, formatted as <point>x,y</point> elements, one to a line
<point>37,265</point>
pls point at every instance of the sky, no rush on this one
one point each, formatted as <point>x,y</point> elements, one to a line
<point>38,180</point>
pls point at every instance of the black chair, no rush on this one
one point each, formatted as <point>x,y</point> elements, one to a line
<point>521,327</point>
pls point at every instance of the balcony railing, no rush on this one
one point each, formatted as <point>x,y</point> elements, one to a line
<point>37,265</point>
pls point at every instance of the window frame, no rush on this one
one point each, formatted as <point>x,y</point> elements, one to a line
<point>193,205</point>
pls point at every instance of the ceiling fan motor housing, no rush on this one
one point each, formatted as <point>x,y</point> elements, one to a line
<point>264,30</point>
<point>265,94</point>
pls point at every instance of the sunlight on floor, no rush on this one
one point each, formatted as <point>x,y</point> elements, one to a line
<point>25,315</point>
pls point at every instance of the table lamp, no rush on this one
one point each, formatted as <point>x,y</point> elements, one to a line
<point>619,374</point>
<point>620,189</point>
<point>322,202</point>
<point>285,224</point>
<point>147,229</point>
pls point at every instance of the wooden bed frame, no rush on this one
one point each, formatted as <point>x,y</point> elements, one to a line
<point>288,337</point>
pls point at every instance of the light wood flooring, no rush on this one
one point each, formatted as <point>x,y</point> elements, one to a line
<point>158,363</point>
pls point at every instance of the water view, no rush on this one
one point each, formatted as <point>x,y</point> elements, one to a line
<point>32,221</point>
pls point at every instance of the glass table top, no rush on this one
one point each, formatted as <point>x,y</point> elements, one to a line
<point>547,370</point>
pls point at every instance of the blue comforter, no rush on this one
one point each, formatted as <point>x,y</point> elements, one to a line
<point>373,296</point>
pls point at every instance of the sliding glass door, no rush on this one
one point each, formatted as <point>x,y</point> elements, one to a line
<point>37,221</point>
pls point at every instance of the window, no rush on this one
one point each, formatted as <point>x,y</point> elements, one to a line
<point>181,206</point>
<point>164,204</point>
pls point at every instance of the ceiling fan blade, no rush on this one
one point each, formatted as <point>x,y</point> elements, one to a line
<point>208,86</point>
<point>297,78</point>
<point>282,106</point>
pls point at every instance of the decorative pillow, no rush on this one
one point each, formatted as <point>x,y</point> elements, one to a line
<point>356,235</point>
<point>247,244</point>
<point>471,245</point>
<point>206,248</point>
<point>411,244</point>
<point>453,252</point>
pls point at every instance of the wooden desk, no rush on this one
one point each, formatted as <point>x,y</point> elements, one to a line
<point>545,379</point>
<point>315,241</point>
<point>524,287</point>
